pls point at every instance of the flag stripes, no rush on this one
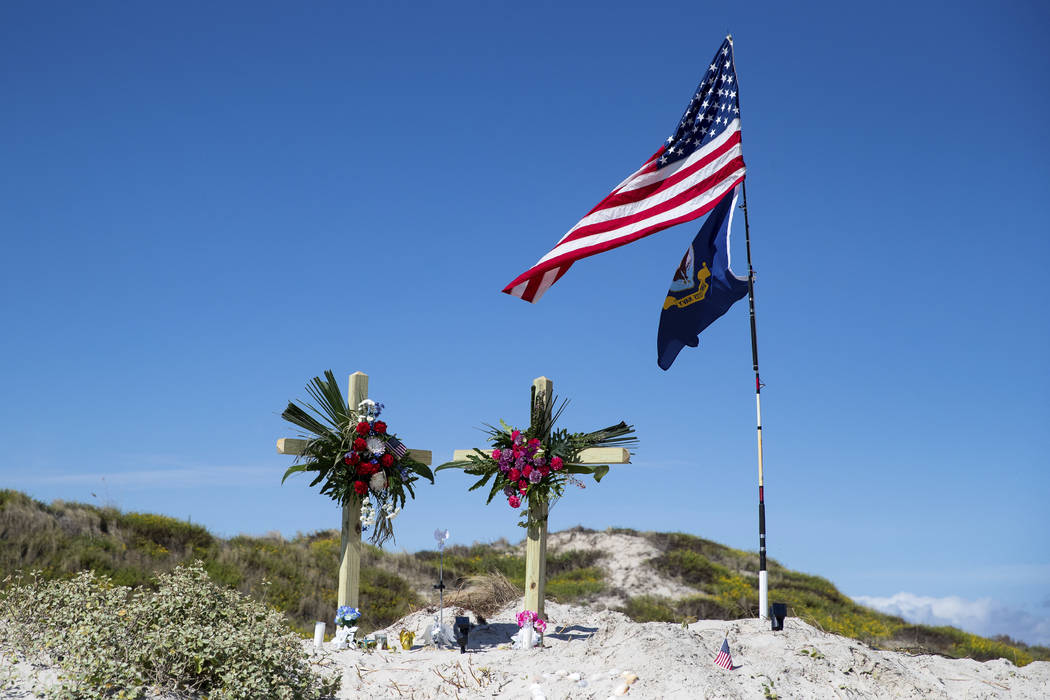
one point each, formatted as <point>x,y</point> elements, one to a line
<point>640,207</point>
<point>724,658</point>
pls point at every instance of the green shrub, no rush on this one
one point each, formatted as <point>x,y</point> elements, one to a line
<point>689,566</point>
<point>164,532</point>
<point>576,583</point>
<point>571,560</point>
<point>650,608</point>
<point>188,636</point>
<point>385,599</point>
<point>703,607</point>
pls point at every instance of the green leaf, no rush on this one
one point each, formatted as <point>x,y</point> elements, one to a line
<point>600,471</point>
<point>423,470</point>
<point>495,489</point>
<point>292,470</point>
<point>481,482</point>
<point>458,464</point>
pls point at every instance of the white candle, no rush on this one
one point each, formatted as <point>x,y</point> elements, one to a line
<point>318,634</point>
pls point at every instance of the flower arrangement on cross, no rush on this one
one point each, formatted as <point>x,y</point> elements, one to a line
<point>355,455</point>
<point>533,466</point>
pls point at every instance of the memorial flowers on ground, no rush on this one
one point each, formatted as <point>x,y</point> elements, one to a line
<point>533,466</point>
<point>347,616</point>
<point>356,456</point>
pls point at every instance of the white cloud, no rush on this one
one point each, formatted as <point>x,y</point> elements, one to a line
<point>984,616</point>
<point>173,477</point>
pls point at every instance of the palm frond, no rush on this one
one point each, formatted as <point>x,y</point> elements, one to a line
<point>296,415</point>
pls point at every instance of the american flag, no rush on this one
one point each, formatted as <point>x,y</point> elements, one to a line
<point>682,181</point>
<point>724,659</point>
<point>397,447</point>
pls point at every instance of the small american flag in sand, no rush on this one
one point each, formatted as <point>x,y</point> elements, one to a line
<point>724,659</point>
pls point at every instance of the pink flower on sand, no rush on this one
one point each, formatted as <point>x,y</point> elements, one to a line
<point>514,501</point>
<point>556,463</point>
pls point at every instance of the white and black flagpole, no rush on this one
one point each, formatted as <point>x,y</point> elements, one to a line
<point>763,582</point>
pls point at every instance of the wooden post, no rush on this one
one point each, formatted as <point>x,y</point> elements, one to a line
<point>536,542</point>
<point>536,560</point>
<point>350,541</point>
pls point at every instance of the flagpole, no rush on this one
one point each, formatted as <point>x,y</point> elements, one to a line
<point>763,581</point>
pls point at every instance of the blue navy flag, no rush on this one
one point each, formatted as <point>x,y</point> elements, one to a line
<point>703,287</point>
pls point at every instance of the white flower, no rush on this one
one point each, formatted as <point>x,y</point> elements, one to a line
<point>376,446</point>
<point>378,482</point>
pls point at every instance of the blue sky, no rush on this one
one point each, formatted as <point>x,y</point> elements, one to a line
<point>204,206</point>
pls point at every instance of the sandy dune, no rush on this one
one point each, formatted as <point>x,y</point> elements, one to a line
<point>589,653</point>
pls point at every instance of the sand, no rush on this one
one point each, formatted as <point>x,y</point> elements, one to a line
<point>590,653</point>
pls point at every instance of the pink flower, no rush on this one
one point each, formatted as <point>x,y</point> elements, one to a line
<point>515,435</point>
<point>513,475</point>
<point>514,501</point>
<point>556,463</point>
<point>544,471</point>
<point>523,486</point>
<point>526,471</point>
<point>495,454</point>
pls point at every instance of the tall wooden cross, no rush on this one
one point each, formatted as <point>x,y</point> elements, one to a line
<point>350,548</point>
<point>536,540</point>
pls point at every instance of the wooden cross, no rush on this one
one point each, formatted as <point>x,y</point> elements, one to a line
<point>350,548</point>
<point>536,540</point>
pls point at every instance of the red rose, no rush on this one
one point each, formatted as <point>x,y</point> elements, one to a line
<point>513,475</point>
<point>346,459</point>
<point>362,428</point>
<point>380,426</point>
<point>523,486</point>
<point>361,488</point>
<point>526,470</point>
<point>360,444</point>
<point>387,460</point>
<point>367,469</point>
<point>544,471</point>
<point>354,458</point>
